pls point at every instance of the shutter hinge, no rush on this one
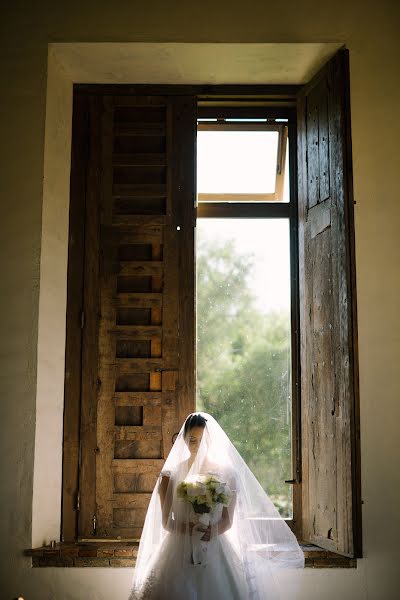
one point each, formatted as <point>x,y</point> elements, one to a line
<point>78,500</point>
<point>94,524</point>
<point>82,319</point>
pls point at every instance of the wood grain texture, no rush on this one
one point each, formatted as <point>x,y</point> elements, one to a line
<point>141,279</point>
<point>73,349</point>
<point>107,343</point>
<point>328,391</point>
<point>90,380</point>
<point>183,188</point>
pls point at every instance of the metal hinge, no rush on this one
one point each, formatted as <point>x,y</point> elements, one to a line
<point>94,524</point>
<point>78,500</point>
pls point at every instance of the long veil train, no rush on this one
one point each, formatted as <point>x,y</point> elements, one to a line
<point>248,543</point>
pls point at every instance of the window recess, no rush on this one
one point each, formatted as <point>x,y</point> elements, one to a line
<point>130,376</point>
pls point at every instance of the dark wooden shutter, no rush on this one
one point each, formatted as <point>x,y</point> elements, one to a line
<point>139,326</point>
<point>330,432</point>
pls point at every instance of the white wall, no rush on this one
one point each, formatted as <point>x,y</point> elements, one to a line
<point>370,32</point>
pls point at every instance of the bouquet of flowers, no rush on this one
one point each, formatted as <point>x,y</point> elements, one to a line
<point>204,493</point>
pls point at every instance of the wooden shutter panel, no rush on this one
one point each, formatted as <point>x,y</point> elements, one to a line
<point>139,334</point>
<point>330,431</point>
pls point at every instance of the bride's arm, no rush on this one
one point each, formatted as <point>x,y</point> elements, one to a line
<point>166,501</point>
<point>227,517</point>
<point>166,504</point>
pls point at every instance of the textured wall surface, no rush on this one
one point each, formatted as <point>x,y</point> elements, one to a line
<point>370,31</point>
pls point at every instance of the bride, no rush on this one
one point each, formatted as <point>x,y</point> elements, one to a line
<point>211,532</point>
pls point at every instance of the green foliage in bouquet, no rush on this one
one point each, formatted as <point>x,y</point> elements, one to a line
<point>204,492</point>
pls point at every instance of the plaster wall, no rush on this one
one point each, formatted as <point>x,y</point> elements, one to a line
<point>33,242</point>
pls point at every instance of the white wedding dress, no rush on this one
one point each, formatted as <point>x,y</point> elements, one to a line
<point>248,539</point>
<point>173,576</point>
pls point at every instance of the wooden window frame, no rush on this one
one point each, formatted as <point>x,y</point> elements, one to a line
<point>243,102</point>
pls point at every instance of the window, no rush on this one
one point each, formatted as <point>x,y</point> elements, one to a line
<point>130,353</point>
<point>245,358</point>
<point>241,161</point>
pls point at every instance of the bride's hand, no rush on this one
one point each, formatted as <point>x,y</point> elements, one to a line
<point>207,534</point>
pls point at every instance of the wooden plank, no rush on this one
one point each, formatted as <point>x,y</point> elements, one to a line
<point>157,285</point>
<point>138,267</point>
<point>132,432</point>
<point>139,300</point>
<point>323,391</point>
<point>131,500</point>
<point>246,112</point>
<point>268,197</point>
<point>140,224</point>
<point>312,151</point>
<point>73,348</point>
<point>139,190</point>
<point>137,332</point>
<point>138,398</point>
<point>328,396</point>
<point>245,210</point>
<point>140,129</point>
<point>131,231</point>
<point>182,188</point>
<point>304,315</point>
<point>345,414</point>
<point>126,518</point>
<point>125,366</point>
<point>107,349</point>
<point>323,146</point>
<point>344,92</point>
<point>144,94</point>
<point>90,381</point>
<point>124,96</point>
<point>138,465</point>
<point>152,415</point>
<point>140,160</point>
<point>137,231</point>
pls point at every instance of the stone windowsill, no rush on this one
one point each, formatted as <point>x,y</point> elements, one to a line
<point>123,554</point>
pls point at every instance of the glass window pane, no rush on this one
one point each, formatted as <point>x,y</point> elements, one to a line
<point>236,162</point>
<point>244,342</point>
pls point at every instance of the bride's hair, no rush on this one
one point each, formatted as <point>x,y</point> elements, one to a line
<point>194,420</point>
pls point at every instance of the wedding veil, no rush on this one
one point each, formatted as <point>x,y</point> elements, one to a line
<point>243,524</point>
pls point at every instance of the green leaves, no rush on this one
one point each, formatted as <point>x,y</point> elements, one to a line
<point>243,366</point>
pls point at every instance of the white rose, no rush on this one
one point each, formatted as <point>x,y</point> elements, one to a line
<point>198,490</point>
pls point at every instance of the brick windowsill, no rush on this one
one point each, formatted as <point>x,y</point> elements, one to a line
<point>123,554</point>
